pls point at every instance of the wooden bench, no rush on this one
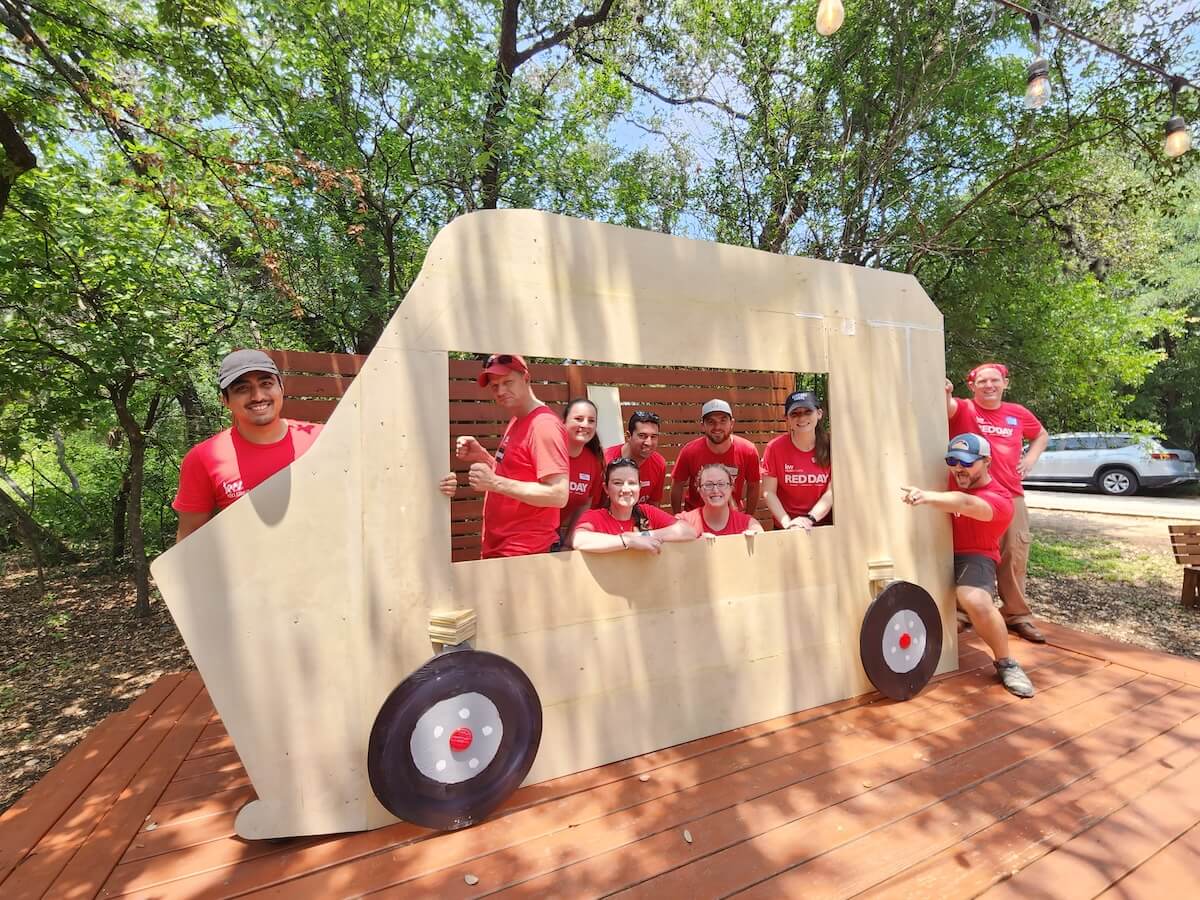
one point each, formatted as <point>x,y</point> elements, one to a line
<point>1185,541</point>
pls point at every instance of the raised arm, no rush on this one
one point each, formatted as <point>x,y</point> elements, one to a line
<point>550,491</point>
<point>951,401</point>
<point>956,502</point>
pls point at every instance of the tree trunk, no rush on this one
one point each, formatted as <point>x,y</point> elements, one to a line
<point>41,543</point>
<point>120,508</point>
<point>19,158</point>
<point>195,416</point>
<point>60,453</point>
<point>135,432</point>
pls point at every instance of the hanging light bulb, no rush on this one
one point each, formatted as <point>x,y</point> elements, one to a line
<point>1037,76</point>
<point>830,15</point>
<point>1178,140</point>
<point>1037,83</point>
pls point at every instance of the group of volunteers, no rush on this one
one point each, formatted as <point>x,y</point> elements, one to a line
<point>551,486</point>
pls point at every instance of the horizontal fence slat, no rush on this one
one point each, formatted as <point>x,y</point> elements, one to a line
<point>470,368</point>
<point>317,363</point>
<point>555,392</point>
<point>642,375</point>
<point>308,410</point>
<point>324,386</point>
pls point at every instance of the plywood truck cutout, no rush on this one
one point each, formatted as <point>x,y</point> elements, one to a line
<point>306,602</point>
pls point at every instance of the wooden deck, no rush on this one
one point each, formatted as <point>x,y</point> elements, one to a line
<point>1090,789</point>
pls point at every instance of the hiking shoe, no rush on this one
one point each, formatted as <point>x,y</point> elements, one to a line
<point>1013,677</point>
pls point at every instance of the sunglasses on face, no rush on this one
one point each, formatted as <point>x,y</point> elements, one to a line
<point>953,462</point>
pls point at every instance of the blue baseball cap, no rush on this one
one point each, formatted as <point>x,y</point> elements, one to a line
<point>968,448</point>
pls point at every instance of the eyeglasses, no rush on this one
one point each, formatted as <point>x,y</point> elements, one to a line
<point>953,461</point>
<point>504,359</point>
<point>715,485</point>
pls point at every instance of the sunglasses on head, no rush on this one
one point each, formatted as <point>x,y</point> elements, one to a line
<point>504,359</point>
<point>953,461</point>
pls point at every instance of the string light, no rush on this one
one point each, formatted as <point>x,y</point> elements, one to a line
<point>1178,140</point>
<point>830,15</point>
<point>1037,76</point>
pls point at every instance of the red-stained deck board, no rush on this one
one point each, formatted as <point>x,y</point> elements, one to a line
<point>1091,787</point>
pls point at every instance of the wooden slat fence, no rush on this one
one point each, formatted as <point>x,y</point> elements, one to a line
<point>313,382</point>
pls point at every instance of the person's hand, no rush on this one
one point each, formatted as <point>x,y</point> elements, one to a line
<point>467,447</point>
<point>710,537</point>
<point>800,523</point>
<point>750,532</point>
<point>481,477</point>
<point>1023,467</point>
<point>949,388</point>
<point>448,485</point>
<point>913,496</point>
<point>644,541</point>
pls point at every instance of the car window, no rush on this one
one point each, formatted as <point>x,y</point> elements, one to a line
<point>1091,442</point>
<point>1053,445</point>
<point>1118,441</point>
<point>1072,443</point>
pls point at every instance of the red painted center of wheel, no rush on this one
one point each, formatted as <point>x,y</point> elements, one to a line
<point>905,643</point>
<point>461,739</point>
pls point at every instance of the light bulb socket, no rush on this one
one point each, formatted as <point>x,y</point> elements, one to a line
<point>1174,124</point>
<point>1039,68</point>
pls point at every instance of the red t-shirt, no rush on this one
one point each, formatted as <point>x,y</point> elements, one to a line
<point>652,473</point>
<point>602,521</point>
<point>585,483</point>
<point>1006,428</point>
<point>741,457</point>
<point>217,471</point>
<point>801,480</point>
<point>534,446</point>
<point>973,536</point>
<point>738,522</point>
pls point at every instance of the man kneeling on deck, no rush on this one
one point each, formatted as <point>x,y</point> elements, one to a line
<point>982,510</point>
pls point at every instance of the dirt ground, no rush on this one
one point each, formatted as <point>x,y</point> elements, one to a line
<point>77,654</point>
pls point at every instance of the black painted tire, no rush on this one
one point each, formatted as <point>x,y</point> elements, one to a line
<point>900,642</point>
<point>414,767</point>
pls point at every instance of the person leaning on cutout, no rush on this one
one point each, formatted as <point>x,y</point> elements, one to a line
<point>796,466</point>
<point>981,509</point>
<point>717,517</point>
<point>526,481</point>
<point>1006,426</point>
<point>622,522</point>
<point>259,443</point>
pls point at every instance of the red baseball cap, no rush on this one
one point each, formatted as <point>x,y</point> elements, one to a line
<point>999,367</point>
<point>501,364</point>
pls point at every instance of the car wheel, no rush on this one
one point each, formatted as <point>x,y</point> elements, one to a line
<point>1118,482</point>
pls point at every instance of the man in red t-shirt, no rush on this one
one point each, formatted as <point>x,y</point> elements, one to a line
<point>982,510</point>
<point>260,442</point>
<point>1006,426</point>
<point>526,481</point>
<point>720,445</point>
<point>641,445</point>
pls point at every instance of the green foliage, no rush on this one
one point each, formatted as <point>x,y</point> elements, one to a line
<point>213,175</point>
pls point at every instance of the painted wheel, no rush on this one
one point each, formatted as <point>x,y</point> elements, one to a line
<point>901,640</point>
<point>454,739</point>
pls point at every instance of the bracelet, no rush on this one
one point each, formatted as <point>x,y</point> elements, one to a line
<point>623,544</point>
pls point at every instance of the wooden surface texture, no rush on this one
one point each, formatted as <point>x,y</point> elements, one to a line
<point>1091,789</point>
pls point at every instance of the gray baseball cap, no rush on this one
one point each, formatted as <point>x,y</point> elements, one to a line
<point>713,406</point>
<point>239,362</point>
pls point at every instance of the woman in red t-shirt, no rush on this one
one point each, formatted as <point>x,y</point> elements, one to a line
<point>621,523</point>
<point>796,466</point>
<point>718,516</point>
<point>585,460</point>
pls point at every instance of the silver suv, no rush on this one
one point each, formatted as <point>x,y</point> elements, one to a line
<point>1115,463</point>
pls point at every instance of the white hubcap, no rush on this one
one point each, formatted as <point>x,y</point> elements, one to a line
<point>904,641</point>
<point>471,719</point>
